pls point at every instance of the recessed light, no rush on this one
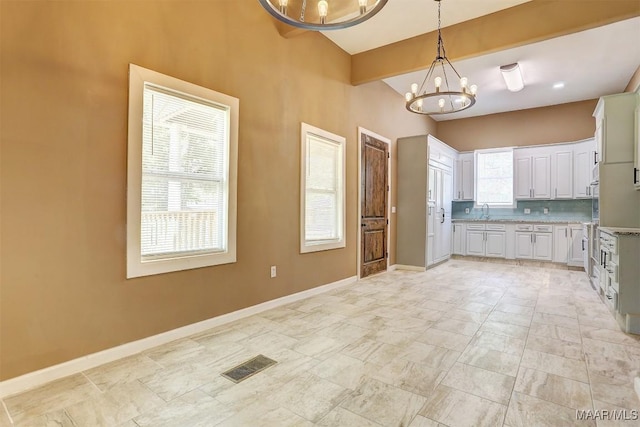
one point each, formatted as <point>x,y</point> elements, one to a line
<point>558,85</point>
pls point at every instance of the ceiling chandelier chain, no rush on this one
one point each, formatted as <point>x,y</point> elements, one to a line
<point>443,99</point>
<point>324,16</point>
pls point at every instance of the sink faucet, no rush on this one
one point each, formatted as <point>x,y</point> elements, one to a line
<point>487,214</point>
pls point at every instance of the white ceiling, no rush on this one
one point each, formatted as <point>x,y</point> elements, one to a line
<point>590,63</point>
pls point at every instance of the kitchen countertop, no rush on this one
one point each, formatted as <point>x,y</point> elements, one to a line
<point>621,230</point>
<point>524,221</point>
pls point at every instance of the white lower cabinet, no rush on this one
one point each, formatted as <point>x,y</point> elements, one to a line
<point>567,244</point>
<point>486,240</point>
<point>459,239</point>
<point>534,242</point>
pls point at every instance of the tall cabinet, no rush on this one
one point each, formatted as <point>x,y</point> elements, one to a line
<point>615,134</point>
<point>425,193</point>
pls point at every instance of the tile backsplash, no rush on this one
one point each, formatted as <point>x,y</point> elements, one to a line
<point>578,210</point>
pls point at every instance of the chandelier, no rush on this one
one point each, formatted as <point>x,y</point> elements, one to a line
<point>441,98</point>
<point>322,15</point>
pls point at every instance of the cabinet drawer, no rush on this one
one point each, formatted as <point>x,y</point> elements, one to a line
<point>524,227</point>
<point>475,227</point>
<point>496,227</point>
<point>543,228</point>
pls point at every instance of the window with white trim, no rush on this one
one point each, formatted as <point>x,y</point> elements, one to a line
<point>322,213</point>
<point>181,175</point>
<point>494,177</point>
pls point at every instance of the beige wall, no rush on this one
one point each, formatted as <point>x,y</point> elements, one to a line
<point>63,172</point>
<point>547,125</point>
<point>634,83</point>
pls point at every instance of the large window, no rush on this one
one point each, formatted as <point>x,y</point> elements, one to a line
<point>494,177</point>
<point>322,190</point>
<point>181,207</point>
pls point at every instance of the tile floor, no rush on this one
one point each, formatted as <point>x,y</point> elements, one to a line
<point>464,344</point>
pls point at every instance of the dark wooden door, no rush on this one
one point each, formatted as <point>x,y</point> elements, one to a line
<point>374,192</point>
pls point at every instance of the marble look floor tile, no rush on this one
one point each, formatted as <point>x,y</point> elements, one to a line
<point>430,355</point>
<point>122,371</point>
<point>446,339</point>
<point>58,418</point>
<point>492,360</point>
<point>553,388</point>
<point>426,313</point>
<point>50,397</point>
<point>514,309</point>
<point>555,332</point>
<point>409,376</point>
<point>553,319</point>
<point>501,328</point>
<point>499,342</point>
<point>343,332</point>
<point>557,310</point>
<point>193,409</point>
<point>477,307</point>
<point>341,417</point>
<point>608,335</point>
<point>319,347</point>
<point>525,411</point>
<point>384,404</point>
<point>176,352</point>
<point>310,396</point>
<point>395,336</point>
<point>510,318</point>
<point>622,395</point>
<point>116,406</point>
<point>420,421</point>
<point>526,302</point>
<point>362,348</point>
<point>602,322</point>
<point>557,365</point>
<point>616,416</point>
<point>256,416</point>
<point>467,316</point>
<point>480,382</point>
<point>175,381</point>
<point>570,350</point>
<point>342,370</point>
<point>459,409</point>
<point>269,341</point>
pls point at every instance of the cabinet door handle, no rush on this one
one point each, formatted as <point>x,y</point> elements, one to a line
<point>635,175</point>
<point>588,191</point>
<point>565,233</point>
<point>534,192</point>
<point>595,157</point>
<point>582,244</point>
<point>531,238</point>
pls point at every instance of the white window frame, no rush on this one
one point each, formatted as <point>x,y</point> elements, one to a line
<point>477,203</point>
<point>307,246</point>
<point>136,266</point>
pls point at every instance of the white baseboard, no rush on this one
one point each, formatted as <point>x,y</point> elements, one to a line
<point>409,267</point>
<point>393,267</point>
<point>33,379</point>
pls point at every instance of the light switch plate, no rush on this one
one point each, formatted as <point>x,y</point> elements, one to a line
<point>393,209</point>
<point>527,211</point>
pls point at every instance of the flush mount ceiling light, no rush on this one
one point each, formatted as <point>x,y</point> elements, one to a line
<point>441,98</point>
<point>512,77</point>
<point>320,15</point>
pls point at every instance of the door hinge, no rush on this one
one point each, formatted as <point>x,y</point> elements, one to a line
<point>388,155</point>
<point>387,222</point>
<point>388,188</point>
<point>386,254</point>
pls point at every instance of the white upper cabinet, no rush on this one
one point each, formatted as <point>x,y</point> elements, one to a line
<point>615,127</point>
<point>562,172</point>
<point>464,177</point>
<point>584,158</point>
<point>532,173</point>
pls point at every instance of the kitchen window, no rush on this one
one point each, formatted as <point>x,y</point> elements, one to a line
<point>181,182</point>
<point>494,178</point>
<point>322,188</point>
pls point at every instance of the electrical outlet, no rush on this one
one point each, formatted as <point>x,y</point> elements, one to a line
<point>546,211</point>
<point>273,271</point>
<point>393,209</point>
<point>466,210</point>
<point>527,211</point>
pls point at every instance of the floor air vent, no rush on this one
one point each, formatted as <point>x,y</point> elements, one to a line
<point>248,368</point>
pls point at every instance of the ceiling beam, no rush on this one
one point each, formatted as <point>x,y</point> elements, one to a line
<point>527,23</point>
